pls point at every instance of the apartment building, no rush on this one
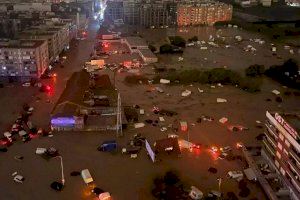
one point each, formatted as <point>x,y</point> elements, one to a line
<point>143,12</point>
<point>281,147</point>
<point>206,13</point>
<point>155,15</point>
<point>114,10</point>
<point>131,10</point>
<point>23,60</point>
<point>57,36</point>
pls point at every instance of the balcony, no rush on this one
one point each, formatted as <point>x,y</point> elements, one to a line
<point>294,156</point>
<point>268,147</point>
<point>294,178</point>
<point>272,130</point>
<point>270,139</point>
<point>294,168</point>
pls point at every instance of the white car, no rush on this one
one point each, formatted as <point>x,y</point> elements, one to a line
<point>104,196</point>
<point>195,193</point>
<point>225,149</point>
<point>19,179</point>
<point>214,193</point>
<point>27,84</point>
<point>172,136</point>
<point>86,176</point>
<point>235,174</point>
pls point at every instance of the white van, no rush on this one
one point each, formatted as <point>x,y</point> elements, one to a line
<point>195,193</point>
<point>86,176</point>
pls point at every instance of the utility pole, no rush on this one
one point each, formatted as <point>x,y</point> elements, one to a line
<point>219,184</point>
<point>62,169</point>
<point>119,117</point>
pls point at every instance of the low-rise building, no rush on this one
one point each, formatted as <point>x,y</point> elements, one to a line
<point>87,105</point>
<point>139,45</point>
<point>23,60</point>
<point>148,56</point>
<point>135,43</point>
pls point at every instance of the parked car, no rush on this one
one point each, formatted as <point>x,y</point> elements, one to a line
<point>131,150</point>
<point>86,176</point>
<point>27,84</point>
<point>196,145</point>
<point>51,152</point>
<point>195,193</point>
<point>45,88</point>
<point>235,175</point>
<point>214,193</point>
<point>5,142</point>
<point>225,149</point>
<point>109,146</point>
<point>19,179</point>
<point>56,186</point>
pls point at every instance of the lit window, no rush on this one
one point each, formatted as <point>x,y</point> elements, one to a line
<point>276,163</point>
<point>281,136</point>
<point>287,143</point>
<point>285,151</point>
<point>282,171</point>
<point>278,155</point>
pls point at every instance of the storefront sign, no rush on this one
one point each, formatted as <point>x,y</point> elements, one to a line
<point>63,121</point>
<point>286,126</point>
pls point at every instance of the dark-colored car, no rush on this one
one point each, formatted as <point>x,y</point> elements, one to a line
<point>52,152</point>
<point>5,142</point>
<point>45,88</point>
<point>108,146</point>
<point>57,186</point>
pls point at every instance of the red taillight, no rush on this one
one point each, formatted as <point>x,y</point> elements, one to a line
<point>3,142</point>
<point>48,88</point>
<point>32,136</point>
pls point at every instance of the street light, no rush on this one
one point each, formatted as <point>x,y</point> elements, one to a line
<point>219,183</point>
<point>62,170</point>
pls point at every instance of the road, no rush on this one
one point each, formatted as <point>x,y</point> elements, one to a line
<point>14,97</point>
<point>76,57</point>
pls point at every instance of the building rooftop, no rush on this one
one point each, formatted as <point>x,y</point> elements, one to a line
<point>136,41</point>
<point>77,87</point>
<point>147,53</point>
<point>21,44</point>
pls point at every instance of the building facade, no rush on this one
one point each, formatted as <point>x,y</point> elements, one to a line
<point>57,35</point>
<point>131,10</point>
<point>29,7</point>
<point>281,146</point>
<point>114,11</point>
<point>206,13</point>
<point>23,60</point>
<point>154,15</point>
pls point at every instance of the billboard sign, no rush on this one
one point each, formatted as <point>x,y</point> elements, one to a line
<point>150,151</point>
<point>286,126</point>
